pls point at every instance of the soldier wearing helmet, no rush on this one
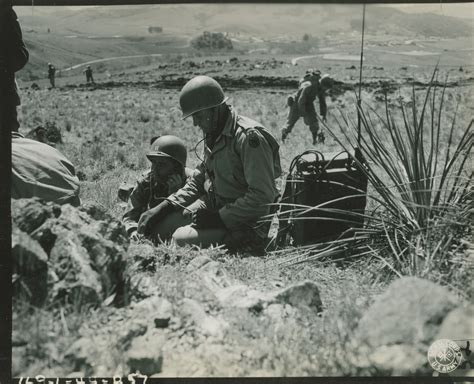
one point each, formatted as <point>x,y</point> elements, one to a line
<point>232,188</point>
<point>302,104</point>
<point>51,74</point>
<point>168,173</point>
<point>88,72</point>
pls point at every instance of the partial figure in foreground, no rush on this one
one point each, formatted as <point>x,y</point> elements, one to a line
<point>301,104</point>
<point>232,188</point>
<point>168,173</point>
<point>38,170</point>
<point>13,57</point>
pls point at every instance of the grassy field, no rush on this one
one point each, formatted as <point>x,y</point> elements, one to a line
<point>106,134</point>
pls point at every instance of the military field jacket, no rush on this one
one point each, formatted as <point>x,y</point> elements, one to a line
<point>39,170</point>
<point>145,196</point>
<point>306,95</point>
<point>238,175</point>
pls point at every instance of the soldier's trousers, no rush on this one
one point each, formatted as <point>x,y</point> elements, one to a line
<point>310,119</point>
<point>178,228</point>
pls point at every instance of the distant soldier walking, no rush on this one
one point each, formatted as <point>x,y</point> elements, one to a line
<point>302,104</point>
<point>88,72</point>
<point>51,74</point>
<point>234,185</point>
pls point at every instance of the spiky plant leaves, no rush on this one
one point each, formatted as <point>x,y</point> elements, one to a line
<point>422,195</point>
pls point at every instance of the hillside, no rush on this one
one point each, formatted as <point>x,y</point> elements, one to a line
<point>68,36</point>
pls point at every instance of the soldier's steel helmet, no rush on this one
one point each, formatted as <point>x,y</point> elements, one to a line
<point>326,81</point>
<point>199,93</point>
<point>168,146</point>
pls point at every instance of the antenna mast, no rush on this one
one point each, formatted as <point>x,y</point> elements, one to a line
<point>360,77</point>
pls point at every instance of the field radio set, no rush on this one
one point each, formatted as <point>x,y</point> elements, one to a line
<point>324,197</point>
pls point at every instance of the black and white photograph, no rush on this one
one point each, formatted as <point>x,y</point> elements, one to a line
<point>235,190</point>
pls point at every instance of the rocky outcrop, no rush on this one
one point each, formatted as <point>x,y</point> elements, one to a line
<point>410,311</point>
<point>80,250</point>
<point>397,329</point>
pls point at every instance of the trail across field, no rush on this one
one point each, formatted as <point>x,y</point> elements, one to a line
<point>109,59</point>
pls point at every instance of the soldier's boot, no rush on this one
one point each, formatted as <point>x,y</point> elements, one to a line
<point>315,137</point>
<point>321,137</point>
<point>284,134</point>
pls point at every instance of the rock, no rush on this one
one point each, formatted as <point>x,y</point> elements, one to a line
<point>81,355</point>
<point>72,265</point>
<point>130,331</point>
<point>145,356</point>
<point>208,325</point>
<point>197,263</point>
<point>156,308</point>
<point>30,264</point>
<point>410,312</point>
<point>399,360</point>
<point>86,248</point>
<point>305,294</point>
<point>458,325</point>
<point>241,296</point>
<point>29,214</point>
<point>214,276</point>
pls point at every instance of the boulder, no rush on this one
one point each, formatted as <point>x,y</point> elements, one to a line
<point>399,360</point>
<point>30,264</point>
<point>458,325</point>
<point>208,325</point>
<point>158,309</point>
<point>305,294</point>
<point>81,356</point>
<point>410,312</point>
<point>85,246</point>
<point>29,214</point>
<point>145,355</point>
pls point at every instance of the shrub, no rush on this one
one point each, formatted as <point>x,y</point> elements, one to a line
<point>417,168</point>
<point>213,41</point>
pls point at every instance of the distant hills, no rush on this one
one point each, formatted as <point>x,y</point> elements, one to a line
<point>70,35</point>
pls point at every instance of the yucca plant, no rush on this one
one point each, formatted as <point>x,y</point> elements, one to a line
<point>420,188</point>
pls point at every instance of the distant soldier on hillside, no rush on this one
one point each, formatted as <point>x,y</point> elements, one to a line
<point>302,104</point>
<point>88,72</point>
<point>51,74</point>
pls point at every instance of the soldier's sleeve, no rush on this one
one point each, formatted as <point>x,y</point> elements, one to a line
<point>192,190</point>
<point>302,100</point>
<point>258,165</point>
<point>323,109</point>
<point>137,204</point>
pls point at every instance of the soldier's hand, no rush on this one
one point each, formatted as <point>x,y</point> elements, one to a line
<point>151,217</point>
<point>205,219</point>
<point>174,182</point>
<point>134,236</point>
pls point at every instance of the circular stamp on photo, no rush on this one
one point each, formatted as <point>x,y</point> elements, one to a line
<point>444,355</point>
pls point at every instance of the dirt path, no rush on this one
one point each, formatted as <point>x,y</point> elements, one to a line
<point>109,59</point>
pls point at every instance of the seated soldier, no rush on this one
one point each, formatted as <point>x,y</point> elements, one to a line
<point>39,170</point>
<point>168,174</point>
